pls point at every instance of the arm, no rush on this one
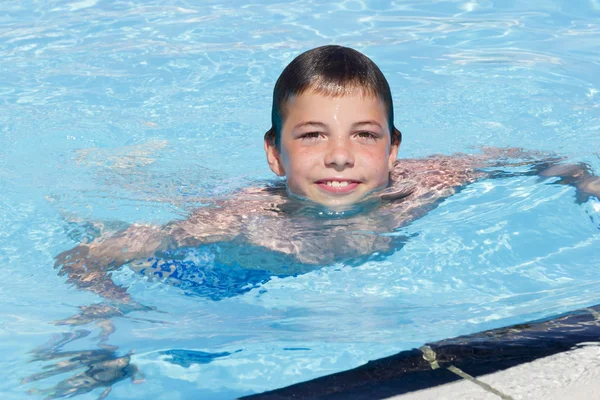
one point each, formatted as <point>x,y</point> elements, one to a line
<point>437,177</point>
<point>544,165</point>
<point>88,265</point>
<point>578,175</point>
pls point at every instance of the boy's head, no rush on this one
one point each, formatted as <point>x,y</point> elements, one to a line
<point>332,133</point>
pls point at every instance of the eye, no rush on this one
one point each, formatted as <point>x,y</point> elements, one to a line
<point>367,135</point>
<point>310,135</point>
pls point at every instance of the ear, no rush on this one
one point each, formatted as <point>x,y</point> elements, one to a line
<point>273,155</point>
<point>394,147</point>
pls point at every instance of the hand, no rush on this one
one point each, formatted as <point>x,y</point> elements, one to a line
<point>89,272</point>
<point>590,186</point>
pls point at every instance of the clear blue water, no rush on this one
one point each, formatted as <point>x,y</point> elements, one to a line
<point>133,111</point>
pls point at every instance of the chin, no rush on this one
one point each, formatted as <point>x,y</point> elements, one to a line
<point>339,202</point>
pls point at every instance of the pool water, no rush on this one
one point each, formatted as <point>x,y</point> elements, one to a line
<point>138,111</point>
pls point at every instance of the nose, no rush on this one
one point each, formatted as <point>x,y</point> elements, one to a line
<point>339,155</point>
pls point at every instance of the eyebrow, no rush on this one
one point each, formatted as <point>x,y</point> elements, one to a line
<point>321,125</point>
<point>369,122</point>
<point>314,124</point>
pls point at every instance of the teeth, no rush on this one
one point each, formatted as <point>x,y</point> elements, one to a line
<point>337,184</point>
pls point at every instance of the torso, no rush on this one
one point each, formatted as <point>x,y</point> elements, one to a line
<point>269,218</point>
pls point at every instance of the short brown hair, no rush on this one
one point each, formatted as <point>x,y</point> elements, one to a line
<point>332,71</point>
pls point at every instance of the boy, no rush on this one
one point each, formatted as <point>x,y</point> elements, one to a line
<point>333,139</point>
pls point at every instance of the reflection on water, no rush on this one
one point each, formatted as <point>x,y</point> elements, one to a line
<point>87,369</point>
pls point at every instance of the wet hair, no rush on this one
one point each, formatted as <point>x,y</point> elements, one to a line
<point>333,71</point>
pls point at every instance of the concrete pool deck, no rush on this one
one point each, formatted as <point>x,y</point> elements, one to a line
<point>557,358</point>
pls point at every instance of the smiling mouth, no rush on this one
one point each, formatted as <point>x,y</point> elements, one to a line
<point>337,186</point>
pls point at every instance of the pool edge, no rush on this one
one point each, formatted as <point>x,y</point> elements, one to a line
<point>450,360</point>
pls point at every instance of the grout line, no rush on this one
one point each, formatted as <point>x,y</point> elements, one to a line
<point>483,385</point>
<point>430,356</point>
<point>595,313</point>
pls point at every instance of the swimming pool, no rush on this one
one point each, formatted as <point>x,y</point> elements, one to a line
<point>137,111</point>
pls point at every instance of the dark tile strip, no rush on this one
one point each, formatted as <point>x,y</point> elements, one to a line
<point>473,355</point>
<point>401,373</point>
<point>491,351</point>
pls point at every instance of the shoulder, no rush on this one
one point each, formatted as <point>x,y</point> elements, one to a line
<point>438,171</point>
<point>245,202</point>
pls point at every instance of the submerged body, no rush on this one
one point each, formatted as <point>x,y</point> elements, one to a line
<point>300,234</point>
<point>272,218</point>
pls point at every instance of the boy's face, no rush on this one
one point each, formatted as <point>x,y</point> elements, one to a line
<point>334,150</point>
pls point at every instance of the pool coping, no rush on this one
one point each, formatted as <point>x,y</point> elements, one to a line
<point>461,358</point>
